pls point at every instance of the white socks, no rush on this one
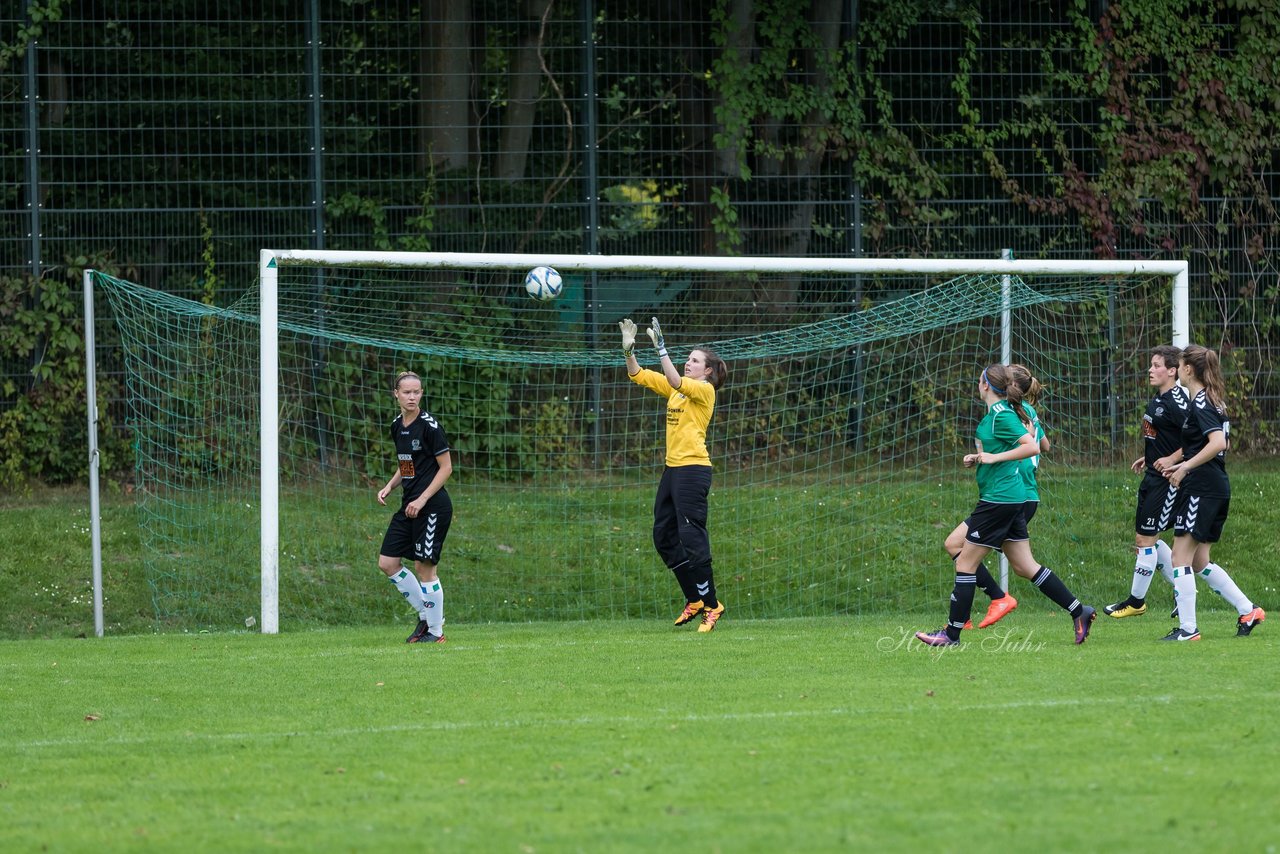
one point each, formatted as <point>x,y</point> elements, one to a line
<point>1143,569</point>
<point>1184,588</point>
<point>425,597</point>
<point>1184,584</point>
<point>1150,559</point>
<point>407,583</point>
<point>433,606</point>
<point>1164,560</point>
<point>1219,582</point>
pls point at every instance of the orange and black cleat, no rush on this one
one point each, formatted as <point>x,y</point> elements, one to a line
<point>709,617</point>
<point>690,611</point>
<point>1249,622</point>
<point>418,632</point>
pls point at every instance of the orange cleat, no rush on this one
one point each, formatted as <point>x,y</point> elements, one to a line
<point>690,611</point>
<point>709,617</point>
<point>997,610</point>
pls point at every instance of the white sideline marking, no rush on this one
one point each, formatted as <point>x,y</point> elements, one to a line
<point>453,726</point>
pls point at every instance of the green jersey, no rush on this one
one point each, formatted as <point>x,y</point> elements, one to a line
<point>1031,465</point>
<point>999,431</point>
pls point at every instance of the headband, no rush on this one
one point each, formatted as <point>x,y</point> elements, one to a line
<point>992,385</point>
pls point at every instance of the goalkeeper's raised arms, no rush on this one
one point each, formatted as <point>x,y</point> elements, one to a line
<point>655,335</point>
<point>628,327</point>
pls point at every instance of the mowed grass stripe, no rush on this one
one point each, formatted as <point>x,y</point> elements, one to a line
<point>632,720</point>
<point>800,734</point>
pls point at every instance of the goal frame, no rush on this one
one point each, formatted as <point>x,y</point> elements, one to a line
<point>270,261</point>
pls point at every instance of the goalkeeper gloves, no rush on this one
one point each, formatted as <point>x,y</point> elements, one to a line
<point>655,335</point>
<point>628,328</point>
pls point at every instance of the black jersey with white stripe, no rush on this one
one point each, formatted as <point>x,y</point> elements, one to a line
<point>1202,419</point>
<point>1162,424</point>
<point>418,443</point>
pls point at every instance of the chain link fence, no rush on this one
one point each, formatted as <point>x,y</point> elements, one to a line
<point>171,141</point>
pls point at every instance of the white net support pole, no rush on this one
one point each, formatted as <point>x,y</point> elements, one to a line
<point>1182,307</point>
<point>1006,356</point>
<point>269,380</point>
<point>91,392</point>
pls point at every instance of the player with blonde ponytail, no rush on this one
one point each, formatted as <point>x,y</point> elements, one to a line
<point>1006,437</point>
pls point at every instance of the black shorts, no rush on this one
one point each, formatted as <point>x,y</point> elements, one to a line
<point>1201,516</point>
<point>1029,509</point>
<point>991,524</point>
<point>1156,499</point>
<point>420,538</point>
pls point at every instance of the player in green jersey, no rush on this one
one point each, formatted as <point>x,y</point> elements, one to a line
<point>1005,436</point>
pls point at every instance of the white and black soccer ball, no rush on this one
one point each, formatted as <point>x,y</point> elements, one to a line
<point>543,283</point>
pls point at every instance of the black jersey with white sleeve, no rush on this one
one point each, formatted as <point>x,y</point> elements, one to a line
<point>418,443</point>
<point>1162,425</point>
<point>1203,418</point>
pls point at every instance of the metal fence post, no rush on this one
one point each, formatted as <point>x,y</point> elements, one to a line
<point>591,240</point>
<point>32,86</point>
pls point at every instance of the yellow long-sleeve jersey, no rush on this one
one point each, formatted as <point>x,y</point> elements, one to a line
<point>689,410</point>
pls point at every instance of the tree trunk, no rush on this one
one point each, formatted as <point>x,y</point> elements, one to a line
<point>739,43</point>
<point>445,106</point>
<point>690,39</point>
<point>804,167</point>
<point>522,97</point>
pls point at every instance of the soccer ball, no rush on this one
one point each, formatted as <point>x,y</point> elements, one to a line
<point>543,283</point>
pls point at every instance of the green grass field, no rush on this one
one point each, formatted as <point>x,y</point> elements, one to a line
<point>513,556</point>
<point>775,735</point>
<point>788,734</point>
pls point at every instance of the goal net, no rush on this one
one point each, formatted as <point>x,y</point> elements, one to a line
<point>836,440</point>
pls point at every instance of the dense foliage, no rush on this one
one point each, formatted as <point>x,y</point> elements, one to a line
<point>175,140</point>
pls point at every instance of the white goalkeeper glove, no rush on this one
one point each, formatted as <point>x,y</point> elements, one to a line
<point>655,335</point>
<point>628,328</point>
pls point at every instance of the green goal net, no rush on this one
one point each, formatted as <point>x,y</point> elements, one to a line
<point>836,439</point>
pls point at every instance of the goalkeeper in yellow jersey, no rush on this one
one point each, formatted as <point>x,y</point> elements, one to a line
<point>680,507</point>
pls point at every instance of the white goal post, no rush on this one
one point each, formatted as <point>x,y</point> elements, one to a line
<point>270,260</point>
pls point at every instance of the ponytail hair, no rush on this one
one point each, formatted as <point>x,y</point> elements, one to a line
<point>1000,379</point>
<point>1204,364</point>
<point>403,375</point>
<point>1030,386</point>
<point>719,370</point>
